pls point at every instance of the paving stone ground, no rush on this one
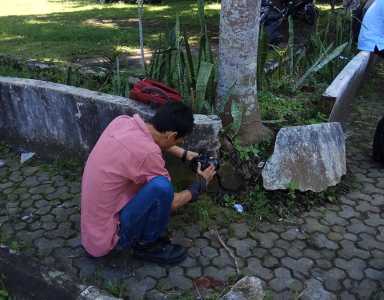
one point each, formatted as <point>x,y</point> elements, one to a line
<point>336,252</point>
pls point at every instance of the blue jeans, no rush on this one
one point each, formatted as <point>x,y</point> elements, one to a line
<point>146,216</point>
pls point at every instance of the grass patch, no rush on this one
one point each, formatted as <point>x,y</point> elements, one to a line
<point>298,109</point>
<point>206,212</point>
<point>64,30</point>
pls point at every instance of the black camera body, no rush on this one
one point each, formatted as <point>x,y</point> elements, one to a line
<point>205,160</point>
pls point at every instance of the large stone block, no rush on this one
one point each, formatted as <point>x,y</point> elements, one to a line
<point>69,120</point>
<point>309,157</point>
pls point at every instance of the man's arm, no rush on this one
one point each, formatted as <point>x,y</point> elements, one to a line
<point>180,199</point>
<point>186,196</point>
<point>178,152</point>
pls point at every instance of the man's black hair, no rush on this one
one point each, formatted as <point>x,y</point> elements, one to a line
<point>176,117</point>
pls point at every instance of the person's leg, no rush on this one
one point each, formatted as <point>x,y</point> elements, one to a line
<point>378,52</point>
<point>146,216</point>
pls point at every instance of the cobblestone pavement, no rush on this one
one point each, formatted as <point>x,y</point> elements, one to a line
<point>332,252</point>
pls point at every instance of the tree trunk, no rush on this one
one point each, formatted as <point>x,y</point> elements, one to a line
<point>239,32</point>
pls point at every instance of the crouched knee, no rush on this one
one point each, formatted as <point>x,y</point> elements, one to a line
<point>162,186</point>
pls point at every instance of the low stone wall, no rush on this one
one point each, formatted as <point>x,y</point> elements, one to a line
<point>68,120</point>
<point>26,278</point>
<point>341,91</point>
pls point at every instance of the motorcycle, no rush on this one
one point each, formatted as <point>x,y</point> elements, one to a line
<point>272,16</point>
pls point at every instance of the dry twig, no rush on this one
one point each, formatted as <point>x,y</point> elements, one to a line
<point>198,291</point>
<point>231,254</point>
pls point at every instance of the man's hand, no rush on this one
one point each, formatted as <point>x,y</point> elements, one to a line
<point>199,186</point>
<point>208,173</point>
<point>191,155</point>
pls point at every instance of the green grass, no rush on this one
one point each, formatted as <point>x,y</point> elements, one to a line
<point>63,30</point>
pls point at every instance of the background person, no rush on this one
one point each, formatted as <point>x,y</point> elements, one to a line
<point>371,36</point>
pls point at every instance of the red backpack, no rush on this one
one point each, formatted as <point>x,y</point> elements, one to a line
<point>153,92</point>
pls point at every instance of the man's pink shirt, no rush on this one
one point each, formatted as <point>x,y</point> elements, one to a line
<point>124,158</point>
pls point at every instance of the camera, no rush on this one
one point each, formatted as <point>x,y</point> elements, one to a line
<point>205,160</point>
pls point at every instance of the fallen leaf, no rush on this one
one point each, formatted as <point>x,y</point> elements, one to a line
<point>208,282</point>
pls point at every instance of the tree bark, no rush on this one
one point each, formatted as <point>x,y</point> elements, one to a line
<point>239,32</point>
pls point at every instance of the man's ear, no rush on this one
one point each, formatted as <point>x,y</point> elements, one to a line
<point>172,134</point>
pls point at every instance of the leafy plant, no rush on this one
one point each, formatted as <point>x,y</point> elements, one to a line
<point>4,295</point>
<point>289,110</point>
<point>174,64</point>
<point>15,246</point>
<point>257,203</point>
<point>204,216</point>
<point>115,287</point>
<point>247,152</point>
<point>237,112</point>
<point>292,187</point>
<point>229,200</point>
<point>296,67</point>
<point>321,62</point>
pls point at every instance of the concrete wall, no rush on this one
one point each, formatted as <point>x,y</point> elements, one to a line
<point>55,118</point>
<point>340,93</point>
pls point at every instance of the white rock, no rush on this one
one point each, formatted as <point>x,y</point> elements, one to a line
<point>247,288</point>
<point>308,157</point>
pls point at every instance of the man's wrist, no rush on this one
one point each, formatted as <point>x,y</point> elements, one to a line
<point>197,187</point>
<point>184,156</point>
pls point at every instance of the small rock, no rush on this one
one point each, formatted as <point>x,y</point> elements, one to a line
<point>92,292</point>
<point>2,163</point>
<point>247,288</point>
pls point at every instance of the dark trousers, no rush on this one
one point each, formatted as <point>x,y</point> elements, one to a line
<point>379,53</point>
<point>146,216</point>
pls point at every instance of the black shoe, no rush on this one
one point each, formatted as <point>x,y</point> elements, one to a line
<point>161,252</point>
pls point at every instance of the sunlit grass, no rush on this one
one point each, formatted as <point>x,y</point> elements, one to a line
<point>213,6</point>
<point>7,37</point>
<point>64,30</point>
<point>326,7</point>
<point>40,7</point>
<point>125,49</point>
<point>158,8</point>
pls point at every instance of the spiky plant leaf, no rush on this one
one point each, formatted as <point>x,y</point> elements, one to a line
<point>331,56</point>
<point>203,23</point>
<point>291,48</point>
<point>189,61</point>
<point>203,77</point>
<point>310,69</point>
<point>202,56</point>
<point>321,62</point>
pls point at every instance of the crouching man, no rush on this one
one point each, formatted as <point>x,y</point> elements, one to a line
<point>127,195</point>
